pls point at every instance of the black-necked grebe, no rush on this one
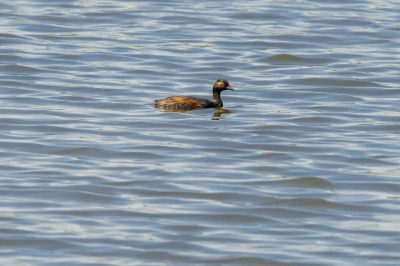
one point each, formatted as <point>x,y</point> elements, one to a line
<point>190,102</point>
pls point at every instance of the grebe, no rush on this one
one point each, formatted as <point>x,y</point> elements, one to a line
<point>190,102</point>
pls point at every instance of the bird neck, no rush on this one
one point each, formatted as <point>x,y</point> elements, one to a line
<point>217,97</point>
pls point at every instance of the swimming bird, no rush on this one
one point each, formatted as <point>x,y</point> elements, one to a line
<point>191,102</point>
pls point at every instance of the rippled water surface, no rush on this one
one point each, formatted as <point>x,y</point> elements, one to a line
<point>302,167</point>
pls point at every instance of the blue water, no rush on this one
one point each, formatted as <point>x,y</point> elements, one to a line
<point>301,167</point>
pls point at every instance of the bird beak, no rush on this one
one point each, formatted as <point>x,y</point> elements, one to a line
<point>229,88</point>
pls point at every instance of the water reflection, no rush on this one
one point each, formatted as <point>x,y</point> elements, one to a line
<point>220,113</point>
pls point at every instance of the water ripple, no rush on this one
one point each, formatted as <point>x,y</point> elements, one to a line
<point>299,168</point>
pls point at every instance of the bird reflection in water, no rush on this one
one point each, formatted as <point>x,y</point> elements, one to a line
<point>218,114</point>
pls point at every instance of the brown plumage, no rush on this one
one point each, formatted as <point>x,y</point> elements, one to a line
<point>191,102</point>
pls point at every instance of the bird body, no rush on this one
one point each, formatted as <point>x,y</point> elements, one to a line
<point>191,102</point>
<point>184,102</point>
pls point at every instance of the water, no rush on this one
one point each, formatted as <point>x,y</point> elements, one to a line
<point>300,168</point>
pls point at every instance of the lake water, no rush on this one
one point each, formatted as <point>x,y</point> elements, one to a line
<point>302,167</point>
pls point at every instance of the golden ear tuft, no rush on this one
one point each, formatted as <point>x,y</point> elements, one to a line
<point>219,84</point>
